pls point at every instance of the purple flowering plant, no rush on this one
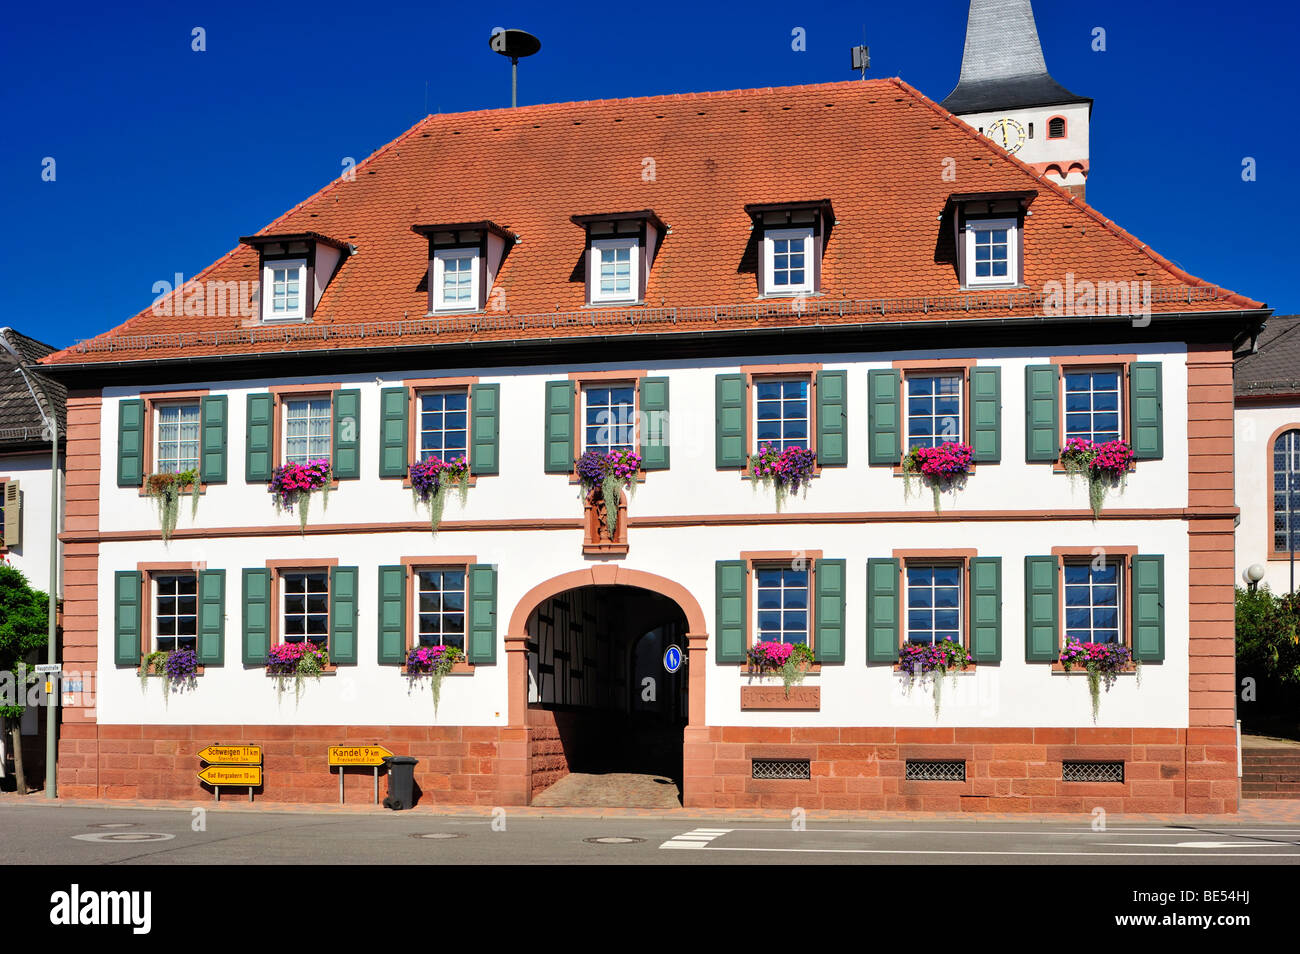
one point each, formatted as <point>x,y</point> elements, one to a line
<point>1103,663</point>
<point>430,479</point>
<point>178,668</point>
<point>434,662</point>
<point>299,660</point>
<point>787,470</point>
<point>919,660</point>
<point>609,472</point>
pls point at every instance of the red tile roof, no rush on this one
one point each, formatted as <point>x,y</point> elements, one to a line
<point>876,149</point>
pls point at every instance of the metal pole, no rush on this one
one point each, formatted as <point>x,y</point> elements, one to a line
<point>514,81</point>
<point>51,711</point>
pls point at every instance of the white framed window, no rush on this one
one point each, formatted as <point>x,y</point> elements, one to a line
<point>781,603</point>
<point>455,279</point>
<point>934,603</point>
<point>175,611</point>
<point>307,423</point>
<point>992,252</point>
<point>440,607</point>
<point>444,424</point>
<point>788,261</point>
<point>1094,404</point>
<point>177,427</point>
<point>284,290</point>
<point>1094,601</point>
<point>934,406</point>
<point>781,412</point>
<point>305,606</point>
<point>614,275</point>
<point>609,417</point>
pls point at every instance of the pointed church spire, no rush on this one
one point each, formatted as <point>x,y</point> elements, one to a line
<point>1002,65</point>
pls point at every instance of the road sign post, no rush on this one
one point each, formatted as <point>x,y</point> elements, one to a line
<point>231,765</point>
<point>365,756</point>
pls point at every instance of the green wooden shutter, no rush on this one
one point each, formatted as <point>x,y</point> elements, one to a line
<point>559,427</point>
<point>394,457</point>
<point>1146,411</point>
<point>259,435</point>
<point>130,443</point>
<point>392,615</point>
<point>729,416</point>
<point>212,431</point>
<point>986,415</point>
<point>986,609</point>
<point>257,616</point>
<point>828,641</point>
<point>343,615</point>
<point>485,429</point>
<point>481,582</point>
<point>832,418</point>
<point>1042,412</point>
<point>654,424</point>
<point>883,618</point>
<point>127,585</point>
<point>1149,608</point>
<point>1042,608</point>
<point>729,579</point>
<point>345,461</point>
<point>212,617</point>
<point>884,438</point>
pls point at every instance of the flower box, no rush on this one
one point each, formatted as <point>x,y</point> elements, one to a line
<point>944,467</point>
<point>1103,663</point>
<point>293,485</point>
<point>788,471</point>
<point>1104,465</point>
<point>431,478</point>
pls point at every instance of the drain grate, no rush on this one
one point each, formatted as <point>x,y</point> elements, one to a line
<point>1092,771</point>
<point>932,770</point>
<point>781,768</point>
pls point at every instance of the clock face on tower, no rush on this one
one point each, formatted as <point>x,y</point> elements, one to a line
<point>1007,133</point>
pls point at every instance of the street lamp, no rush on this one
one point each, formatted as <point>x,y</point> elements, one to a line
<point>52,429</point>
<point>1254,573</point>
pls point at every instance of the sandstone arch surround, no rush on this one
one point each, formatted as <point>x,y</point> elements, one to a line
<point>697,637</point>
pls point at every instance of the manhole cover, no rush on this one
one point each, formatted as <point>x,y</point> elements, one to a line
<point>440,835</point>
<point>123,837</point>
<point>613,840</point>
<point>113,825</point>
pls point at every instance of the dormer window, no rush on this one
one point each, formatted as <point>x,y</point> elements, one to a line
<point>621,249</point>
<point>989,233</point>
<point>296,269</point>
<point>464,260</point>
<point>790,239</point>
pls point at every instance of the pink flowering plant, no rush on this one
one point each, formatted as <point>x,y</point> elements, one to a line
<point>434,662</point>
<point>430,480</point>
<point>1103,663</point>
<point>1104,464</point>
<point>300,660</point>
<point>609,472</point>
<point>293,485</point>
<point>943,466</point>
<point>936,660</point>
<point>789,660</point>
<point>787,470</point>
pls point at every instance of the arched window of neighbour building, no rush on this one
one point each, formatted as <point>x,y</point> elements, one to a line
<point>1286,491</point>
<point>1056,127</point>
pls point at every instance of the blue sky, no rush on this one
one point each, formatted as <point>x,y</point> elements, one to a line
<point>164,156</point>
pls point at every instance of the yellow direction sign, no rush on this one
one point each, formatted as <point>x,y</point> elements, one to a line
<point>358,755</point>
<point>232,754</point>
<point>250,775</point>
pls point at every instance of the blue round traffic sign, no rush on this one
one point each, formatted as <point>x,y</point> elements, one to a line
<point>673,658</point>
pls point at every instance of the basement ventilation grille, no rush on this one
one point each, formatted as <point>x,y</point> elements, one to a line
<point>935,771</point>
<point>1092,771</point>
<point>781,768</point>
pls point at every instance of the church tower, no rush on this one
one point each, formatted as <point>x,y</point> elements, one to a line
<point>1007,94</point>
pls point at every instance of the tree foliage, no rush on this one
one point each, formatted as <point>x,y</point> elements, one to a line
<point>1268,634</point>
<point>24,619</point>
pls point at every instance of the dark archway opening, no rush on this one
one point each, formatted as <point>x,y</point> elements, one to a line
<point>601,703</point>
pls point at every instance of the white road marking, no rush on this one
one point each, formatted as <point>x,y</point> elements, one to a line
<point>1018,854</point>
<point>695,838</point>
<point>1188,844</point>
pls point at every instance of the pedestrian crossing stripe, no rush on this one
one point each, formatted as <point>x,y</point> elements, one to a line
<point>695,838</point>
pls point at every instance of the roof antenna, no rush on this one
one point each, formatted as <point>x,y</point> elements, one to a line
<point>862,55</point>
<point>514,44</point>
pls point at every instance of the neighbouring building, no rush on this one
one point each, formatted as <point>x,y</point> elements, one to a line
<point>1007,94</point>
<point>687,277</point>
<point>1267,394</point>
<point>26,495</point>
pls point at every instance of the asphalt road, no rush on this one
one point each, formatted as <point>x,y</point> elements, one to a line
<point>42,834</point>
